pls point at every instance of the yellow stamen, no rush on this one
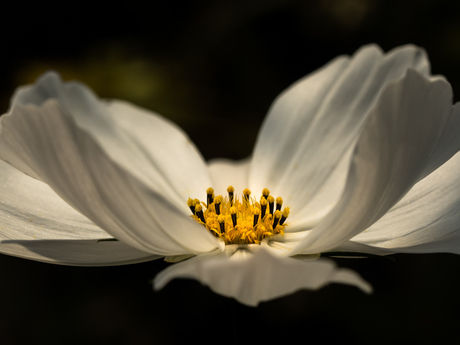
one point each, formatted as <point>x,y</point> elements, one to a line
<point>217,202</point>
<point>271,202</point>
<point>277,218</point>
<point>279,203</point>
<point>265,193</point>
<point>221,221</point>
<point>199,213</point>
<point>191,205</point>
<point>286,212</point>
<point>210,196</point>
<point>263,206</point>
<point>230,191</point>
<point>256,217</point>
<point>240,221</point>
<point>246,194</point>
<point>233,215</point>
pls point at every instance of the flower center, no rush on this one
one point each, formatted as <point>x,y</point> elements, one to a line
<point>244,221</point>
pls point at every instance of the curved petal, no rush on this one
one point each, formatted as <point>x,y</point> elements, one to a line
<point>66,158</point>
<point>149,147</point>
<point>315,123</point>
<point>308,218</point>
<point>282,244</point>
<point>392,152</point>
<point>254,278</point>
<point>449,143</point>
<point>426,220</point>
<point>76,252</point>
<point>226,172</point>
<point>37,224</point>
<point>352,246</point>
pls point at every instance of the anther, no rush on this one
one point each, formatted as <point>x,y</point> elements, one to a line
<point>191,204</point>
<point>230,191</point>
<point>286,212</point>
<point>246,194</point>
<point>277,219</point>
<point>210,193</point>
<point>268,218</point>
<point>233,213</point>
<point>271,202</point>
<point>279,203</point>
<point>199,213</point>
<point>256,216</point>
<point>263,206</point>
<point>221,220</point>
<point>265,193</point>
<point>217,202</point>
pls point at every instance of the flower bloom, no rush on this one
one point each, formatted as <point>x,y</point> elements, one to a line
<point>361,155</point>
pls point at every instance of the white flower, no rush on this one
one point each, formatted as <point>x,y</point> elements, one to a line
<point>363,151</point>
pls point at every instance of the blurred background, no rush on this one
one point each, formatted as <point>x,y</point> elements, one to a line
<point>214,67</point>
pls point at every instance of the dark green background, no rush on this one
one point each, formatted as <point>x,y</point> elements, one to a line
<point>214,67</point>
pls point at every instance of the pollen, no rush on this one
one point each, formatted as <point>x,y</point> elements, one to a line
<point>240,221</point>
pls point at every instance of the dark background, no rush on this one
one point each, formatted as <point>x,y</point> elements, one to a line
<point>214,67</point>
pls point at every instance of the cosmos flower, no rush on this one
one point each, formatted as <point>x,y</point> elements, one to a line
<point>358,157</point>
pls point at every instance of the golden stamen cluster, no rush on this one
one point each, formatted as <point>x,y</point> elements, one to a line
<point>245,221</point>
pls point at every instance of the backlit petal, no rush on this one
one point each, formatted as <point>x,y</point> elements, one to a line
<point>392,152</point>
<point>149,147</point>
<point>76,252</point>
<point>315,123</point>
<point>426,220</point>
<point>37,224</point>
<point>225,172</point>
<point>49,142</point>
<point>449,143</point>
<point>254,278</point>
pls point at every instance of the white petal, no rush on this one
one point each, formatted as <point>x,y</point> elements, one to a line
<point>254,278</point>
<point>392,152</point>
<point>315,123</point>
<point>448,145</point>
<point>284,243</point>
<point>351,246</point>
<point>225,172</point>
<point>149,147</point>
<point>66,158</point>
<point>76,252</point>
<point>37,224</point>
<point>426,220</point>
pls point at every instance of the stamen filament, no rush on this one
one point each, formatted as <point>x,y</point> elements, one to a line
<point>217,203</point>
<point>221,221</point>
<point>233,213</point>
<point>230,191</point>
<point>246,194</point>
<point>263,206</point>
<point>279,203</point>
<point>210,196</point>
<point>286,212</point>
<point>199,213</point>
<point>271,202</point>
<point>277,219</point>
<point>265,193</point>
<point>256,217</point>
<point>191,205</point>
